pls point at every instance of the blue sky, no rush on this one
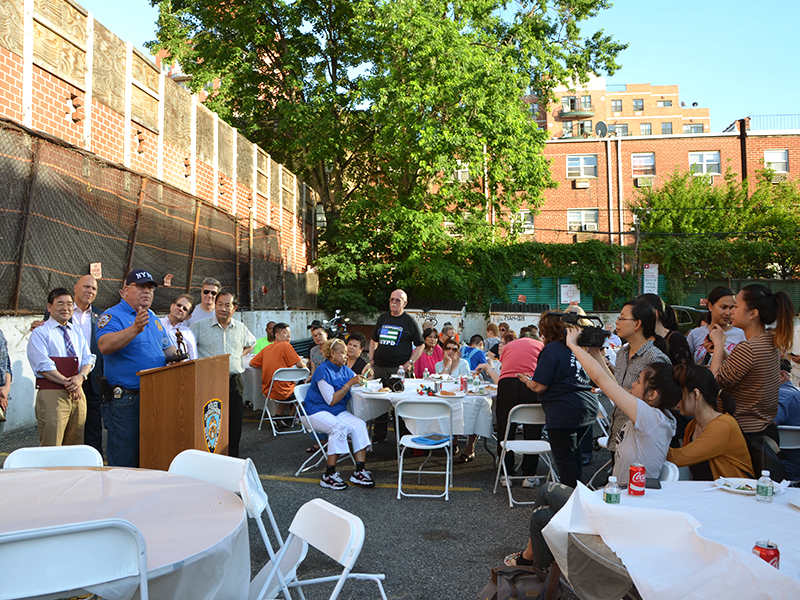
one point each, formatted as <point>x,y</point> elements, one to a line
<point>733,56</point>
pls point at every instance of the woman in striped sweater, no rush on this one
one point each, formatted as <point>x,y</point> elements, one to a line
<point>751,373</point>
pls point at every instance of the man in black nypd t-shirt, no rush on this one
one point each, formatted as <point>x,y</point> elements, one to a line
<point>392,345</point>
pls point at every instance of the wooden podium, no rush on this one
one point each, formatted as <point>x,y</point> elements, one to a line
<point>183,406</point>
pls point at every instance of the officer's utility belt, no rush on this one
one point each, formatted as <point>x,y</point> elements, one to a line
<point>119,392</point>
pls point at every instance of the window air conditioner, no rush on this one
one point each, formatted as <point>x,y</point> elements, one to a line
<point>644,182</point>
<point>580,184</point>
<point>778,178</point>
<point>589,227</point>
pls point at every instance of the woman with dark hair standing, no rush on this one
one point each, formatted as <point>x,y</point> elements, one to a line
<point>751,374</point>
<point>720,309</point>
<point>713,445</point>
<point>636,324</point>
<point>671,342</point>
<point>564,390</point>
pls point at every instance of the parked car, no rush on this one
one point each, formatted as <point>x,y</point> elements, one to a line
<point>688,317</point>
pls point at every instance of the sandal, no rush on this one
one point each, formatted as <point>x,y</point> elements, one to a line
<point>312,449</point>
<point>464,458</point>
<point>516,559</point>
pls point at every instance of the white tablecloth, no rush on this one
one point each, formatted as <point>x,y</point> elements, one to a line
<point>252,389</point>
<point>683,542</point>
<point>196,533</point>
<point>471,414</point>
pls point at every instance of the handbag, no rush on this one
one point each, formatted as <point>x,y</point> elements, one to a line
<point>518,583</point>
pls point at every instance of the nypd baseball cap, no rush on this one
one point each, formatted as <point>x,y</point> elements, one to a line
<point>139,276</point>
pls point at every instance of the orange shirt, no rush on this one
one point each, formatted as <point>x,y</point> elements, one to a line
<point>277,355</point>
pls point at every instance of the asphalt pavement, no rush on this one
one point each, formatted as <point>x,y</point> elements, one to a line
<point>427,548</point>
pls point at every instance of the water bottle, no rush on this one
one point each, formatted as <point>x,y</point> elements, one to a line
<point>426,375</point>
<point>611,492</point>
<point>401,374</point>
<point>765,488</point>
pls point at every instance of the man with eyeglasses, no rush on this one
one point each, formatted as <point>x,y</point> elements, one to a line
<point>132,339</point>
<point>392,346</point>
<point>208,298</point>
<point>224,335</point>
<point>179,312</point>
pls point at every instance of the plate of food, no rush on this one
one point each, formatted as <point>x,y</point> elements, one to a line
<point>447,394</point>
<point>737,485</point>
<point>381,392</point>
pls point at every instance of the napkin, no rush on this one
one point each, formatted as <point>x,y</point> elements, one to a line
<point>664,554</point>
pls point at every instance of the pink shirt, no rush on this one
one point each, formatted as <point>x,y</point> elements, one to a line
<point>428,362</point>
<point>520,356</point>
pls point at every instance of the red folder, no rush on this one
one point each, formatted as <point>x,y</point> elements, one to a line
<point>66,365</point>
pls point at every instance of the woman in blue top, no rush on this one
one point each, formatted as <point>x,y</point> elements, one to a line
<point>564,390</point>
<point>326,406</point>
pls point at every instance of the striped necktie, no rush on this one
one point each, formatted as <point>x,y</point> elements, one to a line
<point>67,341</point>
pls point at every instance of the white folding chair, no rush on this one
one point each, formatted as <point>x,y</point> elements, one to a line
<point>334,532</point>
<point>523,414</point>
<point>425,410</point>
<point>238,476</point>
<point>669,472</point>
<point>319,455</point>
<point>53,456</point>
<point>287,374</point>
<point>73,558</point>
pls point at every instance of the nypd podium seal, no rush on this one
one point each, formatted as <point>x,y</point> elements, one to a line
<point>212,423</point>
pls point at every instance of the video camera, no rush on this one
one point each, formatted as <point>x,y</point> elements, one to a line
<point>591,336</point>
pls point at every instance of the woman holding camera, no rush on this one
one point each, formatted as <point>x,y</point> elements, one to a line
<point>564,390</point>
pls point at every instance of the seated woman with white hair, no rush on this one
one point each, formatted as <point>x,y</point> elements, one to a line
<point>326,406</point>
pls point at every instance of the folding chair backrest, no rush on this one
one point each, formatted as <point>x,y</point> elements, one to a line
<point>331,530</point>
<point>790,437</point>
<point>290,374</point>
<point>423,409</point>
<point>72,557</point>
<point>527,414</point>
<point>252,492</point>
<point>224,471</point>
<point>301,390</point>
<point>669,472</point>
<point>54,456</point>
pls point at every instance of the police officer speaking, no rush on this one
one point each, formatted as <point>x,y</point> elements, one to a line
<point>132,339</point>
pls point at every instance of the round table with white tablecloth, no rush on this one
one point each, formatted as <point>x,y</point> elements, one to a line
<point>196,532</point>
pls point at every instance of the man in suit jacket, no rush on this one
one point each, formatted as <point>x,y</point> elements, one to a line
<point>85,316</point>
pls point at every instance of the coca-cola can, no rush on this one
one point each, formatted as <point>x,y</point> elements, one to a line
<point>768,552</point>
<point>636,480</point>
<point>463,386</point>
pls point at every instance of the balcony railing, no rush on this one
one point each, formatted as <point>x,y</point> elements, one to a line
<point>576,112</point>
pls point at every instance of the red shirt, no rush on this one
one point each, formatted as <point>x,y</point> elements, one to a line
<point>520,356</point>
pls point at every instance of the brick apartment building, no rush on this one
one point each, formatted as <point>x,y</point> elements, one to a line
<point>598,177</point>
<point>624,110</point>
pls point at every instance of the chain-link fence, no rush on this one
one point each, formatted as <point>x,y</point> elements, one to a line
<point>64,210</point>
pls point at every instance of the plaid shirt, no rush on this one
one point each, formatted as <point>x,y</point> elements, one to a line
<point>627,373</point>
<point>5,361</point>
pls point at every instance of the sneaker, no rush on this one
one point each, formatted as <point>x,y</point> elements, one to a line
<point>530,482</point>
<point>503,480</point>
<point>333,482</point>
<point>363,478</point>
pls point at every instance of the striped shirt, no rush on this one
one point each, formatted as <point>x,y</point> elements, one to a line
<point>751,374</point>
<point>627,373</point>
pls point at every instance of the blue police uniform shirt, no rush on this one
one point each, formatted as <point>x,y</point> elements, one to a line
<point>145,351</point>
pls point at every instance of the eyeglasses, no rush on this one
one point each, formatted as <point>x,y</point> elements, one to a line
<point>503,330</point>
<point>450,349</point>
<point>183,307</point>
<point>395,300</point>
<point>212,292</point>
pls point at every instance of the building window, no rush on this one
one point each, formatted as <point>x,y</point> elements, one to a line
<point>664,103</point>
<point>619,129</point>
<point>643,164</point>
<point>584,127</point>
<point>534,108</point>
<point>638,105</point>
<point>693,128</point>
<point>566,127</point>
<point>616,106</point>
<point>586,102</point>
<point>666,129</point>
<point>581,165</point>
<point>583,219</point>
<point>525,218</point>
<point>645,129</point>
<point>777,160</point>
<point>569,103</point>
<point>704,163</point>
